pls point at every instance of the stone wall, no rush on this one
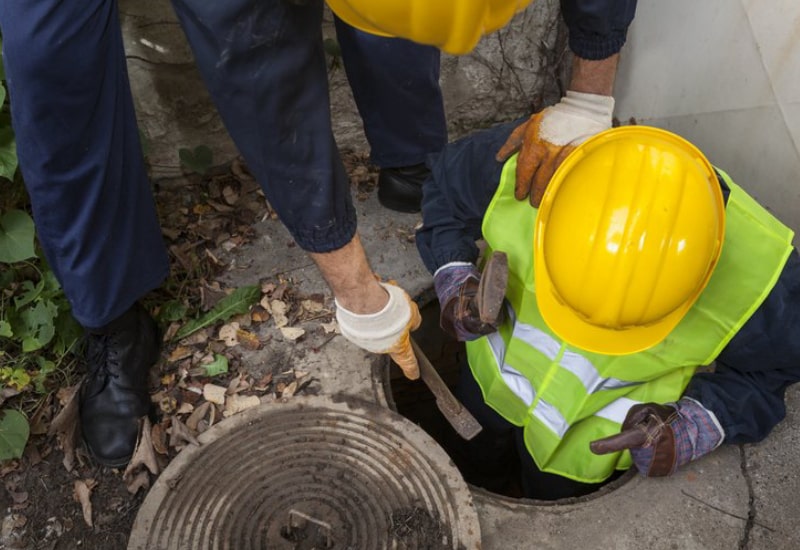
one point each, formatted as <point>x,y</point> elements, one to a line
<point>519,68</point>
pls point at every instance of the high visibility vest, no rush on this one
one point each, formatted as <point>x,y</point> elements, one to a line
<point>565,397</point>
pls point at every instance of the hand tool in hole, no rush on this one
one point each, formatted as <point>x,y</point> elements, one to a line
<point>472,302</point>
<point>452,409</point>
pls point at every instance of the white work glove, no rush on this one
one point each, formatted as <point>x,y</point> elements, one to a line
<point>547,137</point>
<point>387,331</point>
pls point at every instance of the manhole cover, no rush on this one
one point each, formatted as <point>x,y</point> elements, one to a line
<point>314,473</point>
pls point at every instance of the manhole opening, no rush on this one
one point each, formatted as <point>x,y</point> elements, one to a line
<point>499,475</point>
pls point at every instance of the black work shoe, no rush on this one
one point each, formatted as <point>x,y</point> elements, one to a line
<point>114,395</point>
<point>400,188</point>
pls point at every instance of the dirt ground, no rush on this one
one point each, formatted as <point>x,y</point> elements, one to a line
<point>45,502</point>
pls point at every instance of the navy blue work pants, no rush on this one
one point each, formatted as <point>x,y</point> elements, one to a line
<point>265,68</point>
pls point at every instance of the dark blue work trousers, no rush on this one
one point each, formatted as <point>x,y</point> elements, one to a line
<point>265,68</point>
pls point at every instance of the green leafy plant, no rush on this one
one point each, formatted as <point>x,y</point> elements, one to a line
<point>37,332</point>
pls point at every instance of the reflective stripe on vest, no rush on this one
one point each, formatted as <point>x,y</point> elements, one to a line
<point>566,397</point>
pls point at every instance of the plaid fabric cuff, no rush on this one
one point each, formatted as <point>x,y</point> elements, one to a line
<point>697,431</point>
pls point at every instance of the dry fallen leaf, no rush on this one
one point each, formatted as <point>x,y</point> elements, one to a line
<point>260,315</point>
<point>198,415</point>
<point>237,403</point>
<point>248,340</point>
<point>144,453</point>
<point>312,306</point>
<point>159,437</point>
<point>228,333</point>
<point>66,425</point>
<point>179,435</point>
<point>138,481</point>
<point>279,309</point>
<point>333,326</point>
<point>263,383</point>
<point>289,390</point>
<point>82,493</point>
<point>214,393</point>
<point>292,333</point>
<point>180,352</point>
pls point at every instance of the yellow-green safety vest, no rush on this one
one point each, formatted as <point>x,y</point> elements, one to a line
<point>565,397</point>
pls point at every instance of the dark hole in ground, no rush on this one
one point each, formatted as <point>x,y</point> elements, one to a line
<point>414,400</point>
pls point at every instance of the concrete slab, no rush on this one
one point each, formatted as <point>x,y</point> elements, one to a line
<point>738,497</point>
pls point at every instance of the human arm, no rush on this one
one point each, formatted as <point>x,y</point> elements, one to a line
<point>746,389</point>
<point>598,30</point>
<point>464,177</point>
<point>375,316</point>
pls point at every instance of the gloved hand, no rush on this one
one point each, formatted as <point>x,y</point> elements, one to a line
<point>456,287</point>
<point>547,137</point>
<point>387,331</point>
<point>663,437</point>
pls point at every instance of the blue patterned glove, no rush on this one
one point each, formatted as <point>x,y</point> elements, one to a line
<point>663,437</point>
<point>456,287</point>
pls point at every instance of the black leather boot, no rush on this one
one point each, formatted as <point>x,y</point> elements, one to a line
<point>114,395</point>
<point>400,188</point>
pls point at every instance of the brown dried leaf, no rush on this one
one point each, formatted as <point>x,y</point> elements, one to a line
<point>260,315</point>
<point>228,333</point>
<point>289,390</point>
<point>313,306</point>
<point>138,481</point>
<point>333,326</point>
<point>238,403</point>
<point>248,340</point>
<point>230,195</point>
<point>66,425</point>
<point>180,352</point>
<point>279,309</point>
<point>179,435</point>
<point>263,383</point>
<point>171,331</point>
<point>82,493</point>
<point>237,384</point>
<point>143,454</point>
<point>158,435</point>
<point>292,333</point>
<point>214,393</point>
<point>198,415</point>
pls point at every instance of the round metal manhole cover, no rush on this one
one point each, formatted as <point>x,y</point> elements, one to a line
<point>313,473</point>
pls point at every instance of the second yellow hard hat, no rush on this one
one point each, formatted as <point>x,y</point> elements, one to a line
<point>627,236</point>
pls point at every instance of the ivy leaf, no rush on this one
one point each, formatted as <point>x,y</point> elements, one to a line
<point>29,294</point>
<point>16,233</point>
<point>5,329</point>
<point>38,326</point>
<point>14,432</point>
<point>239,301</point>
<point>198,160</point>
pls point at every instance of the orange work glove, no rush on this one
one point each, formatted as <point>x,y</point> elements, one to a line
<point>549,136</point>
<point>387,331</point>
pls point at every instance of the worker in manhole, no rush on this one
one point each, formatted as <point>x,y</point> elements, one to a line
<point>641,263</point>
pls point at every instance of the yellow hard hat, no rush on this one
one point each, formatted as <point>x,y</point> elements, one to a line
<point>628,233</point>
<point>454,26</point>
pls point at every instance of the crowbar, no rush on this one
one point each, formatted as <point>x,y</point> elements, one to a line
<point>452,409</point>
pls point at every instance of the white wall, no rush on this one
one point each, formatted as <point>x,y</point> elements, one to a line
<point>725,74</point>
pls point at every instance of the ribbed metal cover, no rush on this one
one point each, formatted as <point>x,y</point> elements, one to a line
<point>311,473</point>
